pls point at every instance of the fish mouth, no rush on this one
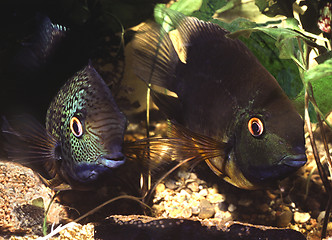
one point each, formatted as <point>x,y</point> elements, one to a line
<point>295,161</point>
<point>113,160</point>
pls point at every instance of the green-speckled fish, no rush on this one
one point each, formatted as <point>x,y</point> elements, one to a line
<point>83,136</point>
<point>233,113</point>
<point>84,127</point>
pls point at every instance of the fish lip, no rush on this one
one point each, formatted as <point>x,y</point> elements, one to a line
<point>295,161</point>
<point>112,160</point>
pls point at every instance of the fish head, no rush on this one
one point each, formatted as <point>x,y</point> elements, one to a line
<point>90,127</point>
<point>268,144</point>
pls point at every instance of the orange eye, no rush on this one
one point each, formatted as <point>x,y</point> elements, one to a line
<point>255,127</point>
<point>76,127</point>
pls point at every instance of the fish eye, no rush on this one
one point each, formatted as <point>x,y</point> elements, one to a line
<point>255,126</point>
<point>76,127</point>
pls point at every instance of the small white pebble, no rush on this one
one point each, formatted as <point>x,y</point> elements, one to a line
<point>231,207</point>
<point>301,217</point>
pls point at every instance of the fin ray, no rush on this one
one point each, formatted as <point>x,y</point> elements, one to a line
<point>29,144</point>
<point>155,58</point>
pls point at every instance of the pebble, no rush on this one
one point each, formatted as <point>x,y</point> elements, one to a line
<point>206,209</point>
<point>193,176</point>
<point>171,184</point>
<point>216,198</point>
<point>224,215</point>
<point>195,209</point>
<point>284,218</point>
<point>231,207</point>
<point>203,192</point>
<point>160,188</point>
<point>301,217</point>
<point>329,227</point>
<point>321,217</point>
<point>187,212</point>
<point>213,190</point>
<point>193,186</point>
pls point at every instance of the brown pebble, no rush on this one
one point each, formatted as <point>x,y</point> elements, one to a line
<point>207,209</point>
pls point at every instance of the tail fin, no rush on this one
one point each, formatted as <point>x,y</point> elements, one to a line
<point>155,59</point>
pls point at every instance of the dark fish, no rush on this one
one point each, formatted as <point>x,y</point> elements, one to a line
<point>84,126</point>
<point>83,136</point>
<point>229,110</point>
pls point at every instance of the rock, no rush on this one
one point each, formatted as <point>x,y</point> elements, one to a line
<point>213,190</point>
<point>139,227</point>
<point>231,207</point>
<point>216,198</point>
<point>193,186</point>
<point>284,218</point>
<point>203,192</point>
<point>321,217</point>
<point>224,215</point>
<point>171,184</point>
<point>207,209</point>
<point>301,217</point>
<point>193,176</point>
<point>187,212</point>
<point>329,227</point>
<point>160,188</point>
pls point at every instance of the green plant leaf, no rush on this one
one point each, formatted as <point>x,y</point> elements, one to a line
<point>209,8</point>
<point>187,7</point>
<point>321,79</point>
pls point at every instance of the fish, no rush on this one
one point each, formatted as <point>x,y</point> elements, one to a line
<point>226,109</point>
<point>81,142</point>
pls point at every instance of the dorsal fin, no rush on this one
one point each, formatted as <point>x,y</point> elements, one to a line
<point>155,59</point>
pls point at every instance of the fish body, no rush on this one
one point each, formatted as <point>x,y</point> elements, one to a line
<point>82,140</point>
<point>83,137</point>
<point>224,95</point>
